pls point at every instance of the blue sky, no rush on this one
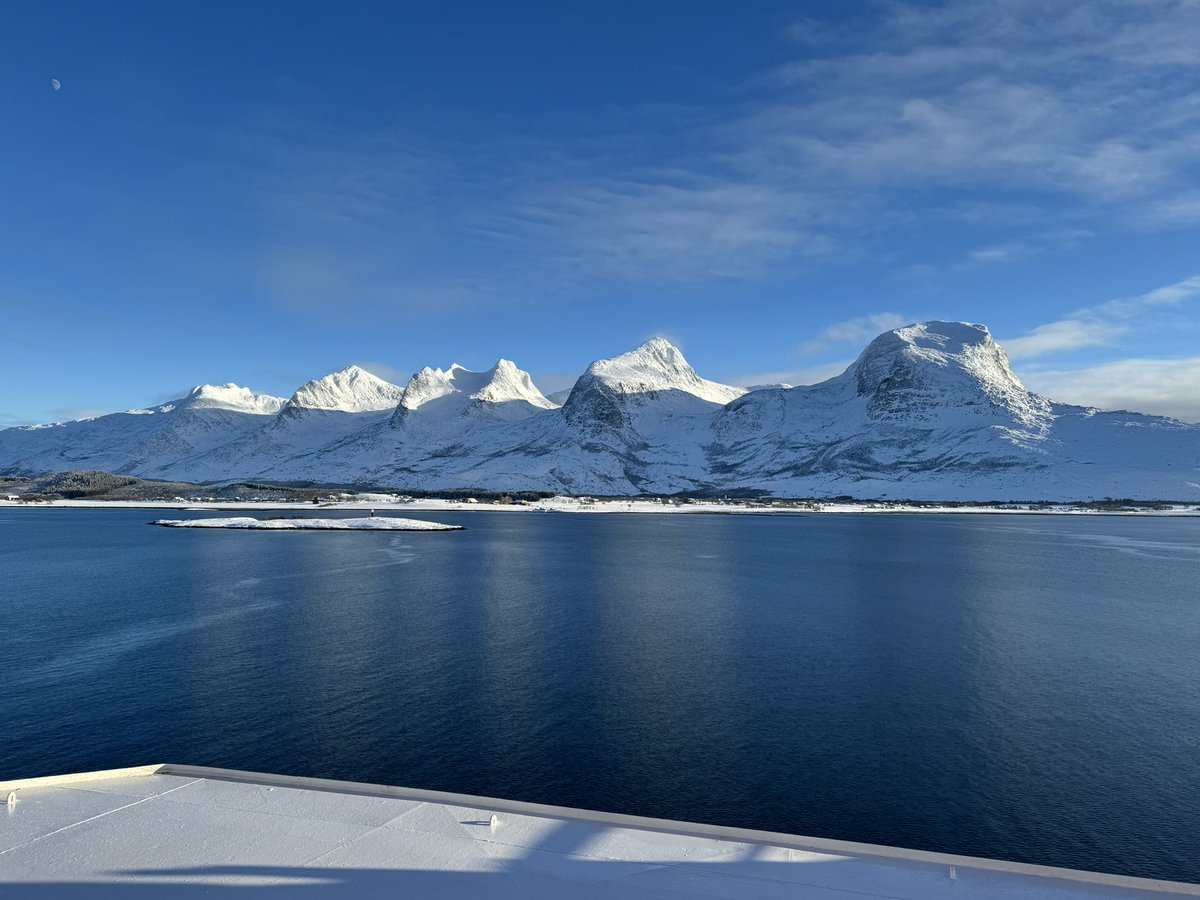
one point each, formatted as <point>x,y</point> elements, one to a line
<point>223,192</point>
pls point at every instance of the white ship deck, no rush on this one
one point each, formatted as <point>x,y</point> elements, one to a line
<point>181,832</point>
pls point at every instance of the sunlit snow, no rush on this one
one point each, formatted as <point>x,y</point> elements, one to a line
<point>381,523</point>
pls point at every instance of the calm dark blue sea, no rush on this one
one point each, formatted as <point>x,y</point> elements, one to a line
<point>1017,687</point>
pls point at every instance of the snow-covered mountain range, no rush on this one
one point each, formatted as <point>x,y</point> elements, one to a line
<point>928,411</point>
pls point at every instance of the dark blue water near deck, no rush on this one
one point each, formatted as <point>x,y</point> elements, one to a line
<point>1016,687</point>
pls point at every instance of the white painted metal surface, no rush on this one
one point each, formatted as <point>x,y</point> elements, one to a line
<point>180,831</point>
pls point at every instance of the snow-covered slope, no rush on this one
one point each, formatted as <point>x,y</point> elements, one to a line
<point>221,396</point>
<point>320,412</point>
<point>502,390</point>
<point>931,410</point>
<point>656,366</point>
<point>934,410</point>
<point>643,387</point>
<point>937,370</point>
<point>138,440</point>
<point>444,421</point>
<point>637,422</point>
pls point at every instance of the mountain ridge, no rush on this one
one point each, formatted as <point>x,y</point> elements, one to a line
<point>931,410</point>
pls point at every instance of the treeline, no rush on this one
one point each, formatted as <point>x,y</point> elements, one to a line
<point>74,485</point>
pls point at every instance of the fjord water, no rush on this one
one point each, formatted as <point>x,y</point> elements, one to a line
<point>1018,687</point>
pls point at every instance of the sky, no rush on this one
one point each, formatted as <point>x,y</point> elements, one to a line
<point>227,192</point>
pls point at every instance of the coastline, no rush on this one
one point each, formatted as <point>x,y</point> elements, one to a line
<point>609,507</point>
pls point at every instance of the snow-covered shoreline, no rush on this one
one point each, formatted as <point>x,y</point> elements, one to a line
<point>632,505</point>
<point>382,523</point>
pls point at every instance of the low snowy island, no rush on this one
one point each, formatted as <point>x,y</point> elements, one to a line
<point>382,523</point>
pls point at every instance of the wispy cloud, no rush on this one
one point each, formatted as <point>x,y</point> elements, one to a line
<point>8,420</point>
<point>807,375</point>
<point>1170,295</point>
<point>79,412</point>
<point>1017,119</point>
<point>1100,325</point>
<point>857,330</point>
<point>1073,102</point>
<point>1028,245</point>
<point>998,253</point>
<point>847,336</point>
<point>1163,386</point>
<point>553,382</point>
<point>1060,336</point>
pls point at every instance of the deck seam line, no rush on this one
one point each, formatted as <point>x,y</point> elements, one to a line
<point>341,845</point>
<point>138,802</point>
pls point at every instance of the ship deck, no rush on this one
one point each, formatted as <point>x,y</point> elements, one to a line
<point>182,831</point>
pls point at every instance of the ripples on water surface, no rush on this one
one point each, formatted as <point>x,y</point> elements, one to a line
<point>1025,688</point>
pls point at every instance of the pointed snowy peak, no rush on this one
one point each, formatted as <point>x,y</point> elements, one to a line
<point>502,383</point>
<point>223,396</point>
<point>353,389</point>
<point>656,365</point>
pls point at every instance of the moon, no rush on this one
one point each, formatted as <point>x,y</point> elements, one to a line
<point>56,84</point>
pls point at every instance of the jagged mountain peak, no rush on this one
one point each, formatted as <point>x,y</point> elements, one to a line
<point>505,383</point>
<point>222,396</point>
<point>930,410</point>
<point>502,383</point>
<point>352,389</point>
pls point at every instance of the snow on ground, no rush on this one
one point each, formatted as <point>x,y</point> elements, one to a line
<point>588,505</point>
<point>382,523</point>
